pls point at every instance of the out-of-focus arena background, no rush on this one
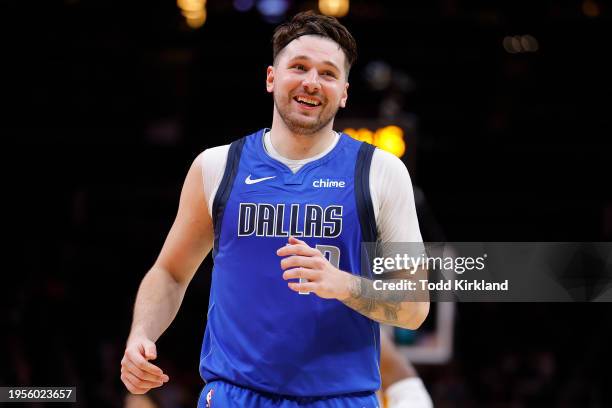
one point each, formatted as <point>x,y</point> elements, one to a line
<point>505,107</point>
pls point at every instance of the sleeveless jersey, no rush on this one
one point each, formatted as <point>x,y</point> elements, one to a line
<point>260,334</point>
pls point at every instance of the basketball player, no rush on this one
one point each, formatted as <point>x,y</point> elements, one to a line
<point>401,385</point>
<point>292,318</point>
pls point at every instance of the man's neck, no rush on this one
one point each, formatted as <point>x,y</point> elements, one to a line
<point>296,146</point>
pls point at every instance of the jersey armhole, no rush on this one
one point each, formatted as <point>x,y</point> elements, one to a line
<point>225,188</point>
<point>365,208</point>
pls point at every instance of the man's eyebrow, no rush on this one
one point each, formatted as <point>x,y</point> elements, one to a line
<point>304,57</point>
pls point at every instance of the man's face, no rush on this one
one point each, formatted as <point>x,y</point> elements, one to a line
<point>308,81</point>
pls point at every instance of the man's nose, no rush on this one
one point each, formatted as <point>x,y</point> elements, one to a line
<point>311,81</point>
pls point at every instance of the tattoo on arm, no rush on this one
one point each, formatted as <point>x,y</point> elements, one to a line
<point>385,306</point>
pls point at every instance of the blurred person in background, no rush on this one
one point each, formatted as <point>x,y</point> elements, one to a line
<point>401,385</point>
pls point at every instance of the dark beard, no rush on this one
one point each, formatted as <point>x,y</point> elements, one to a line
<point>299,128</point>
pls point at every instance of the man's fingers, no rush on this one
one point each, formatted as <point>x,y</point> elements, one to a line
<point>297,261</point>
<point>140,362</point>
<point>139,382</point>
<point>297,249</point>
<point>297,273</point>
<point>129,366</point>
<point>131,387</point>
<point>150,352</point>
<point>302,287</point>
<point>294,240</point>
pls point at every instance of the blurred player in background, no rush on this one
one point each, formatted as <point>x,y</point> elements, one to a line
<point>292,317</point>
<point>401,385</point>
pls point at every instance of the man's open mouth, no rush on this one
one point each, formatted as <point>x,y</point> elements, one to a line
<point>304,100</point>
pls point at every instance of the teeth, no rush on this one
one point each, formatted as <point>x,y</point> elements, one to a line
<point>309,101</point>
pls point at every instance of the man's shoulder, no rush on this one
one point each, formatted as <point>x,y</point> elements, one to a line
<point>217,155</point>
<point>386,162</point>
<point>389,177</point>
<point>387,158</point>
<point>213,157</point>
<point>216,150</point>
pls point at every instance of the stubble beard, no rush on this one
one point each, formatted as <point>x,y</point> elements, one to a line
<point>301,127</point>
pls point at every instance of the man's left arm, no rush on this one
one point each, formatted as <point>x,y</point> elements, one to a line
<point>405,308</point>
<point>394,307</point>
<point>398,234</point>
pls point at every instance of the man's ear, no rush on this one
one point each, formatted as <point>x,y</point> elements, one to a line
<point>344,96</point>
<point>270,79</point>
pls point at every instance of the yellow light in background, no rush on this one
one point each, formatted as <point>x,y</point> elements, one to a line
<point>392,130</point>
<point>197,21</point>
<point>365,135</point>
<point>334,8</point>
<point>194,12</point>
<point>391,139</point>
<point>351,132</point>
<point>191,5</point>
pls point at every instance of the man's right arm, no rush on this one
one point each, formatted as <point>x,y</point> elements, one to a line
<point>162,290</point>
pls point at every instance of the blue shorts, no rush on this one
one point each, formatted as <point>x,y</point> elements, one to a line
<point>220,394</point>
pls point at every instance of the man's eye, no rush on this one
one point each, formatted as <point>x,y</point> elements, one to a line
<point>329,73</point>
<point>300,67</point>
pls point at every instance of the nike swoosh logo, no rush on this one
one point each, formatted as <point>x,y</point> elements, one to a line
<point>249,180</point>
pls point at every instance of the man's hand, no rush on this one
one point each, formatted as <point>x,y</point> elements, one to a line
<point>397,308</point>
<point>303,261</point>
<point>138,375</point>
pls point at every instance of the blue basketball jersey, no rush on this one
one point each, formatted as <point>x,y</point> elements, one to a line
<point>261,334</point>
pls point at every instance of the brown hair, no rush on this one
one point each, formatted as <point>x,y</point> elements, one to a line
<point>310,23</point>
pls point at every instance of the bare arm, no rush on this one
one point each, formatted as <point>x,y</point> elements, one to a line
<point>396,222</point>
<point>162,290</point>
<point>402,308</point>
<point>189,241</point>
<point>394,366</point>
<point>401,384</point>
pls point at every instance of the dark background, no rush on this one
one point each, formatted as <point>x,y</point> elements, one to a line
<point>106,103</point>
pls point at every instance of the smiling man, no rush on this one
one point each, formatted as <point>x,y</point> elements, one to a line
<point>309,83</point>
<point>293,318</point>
